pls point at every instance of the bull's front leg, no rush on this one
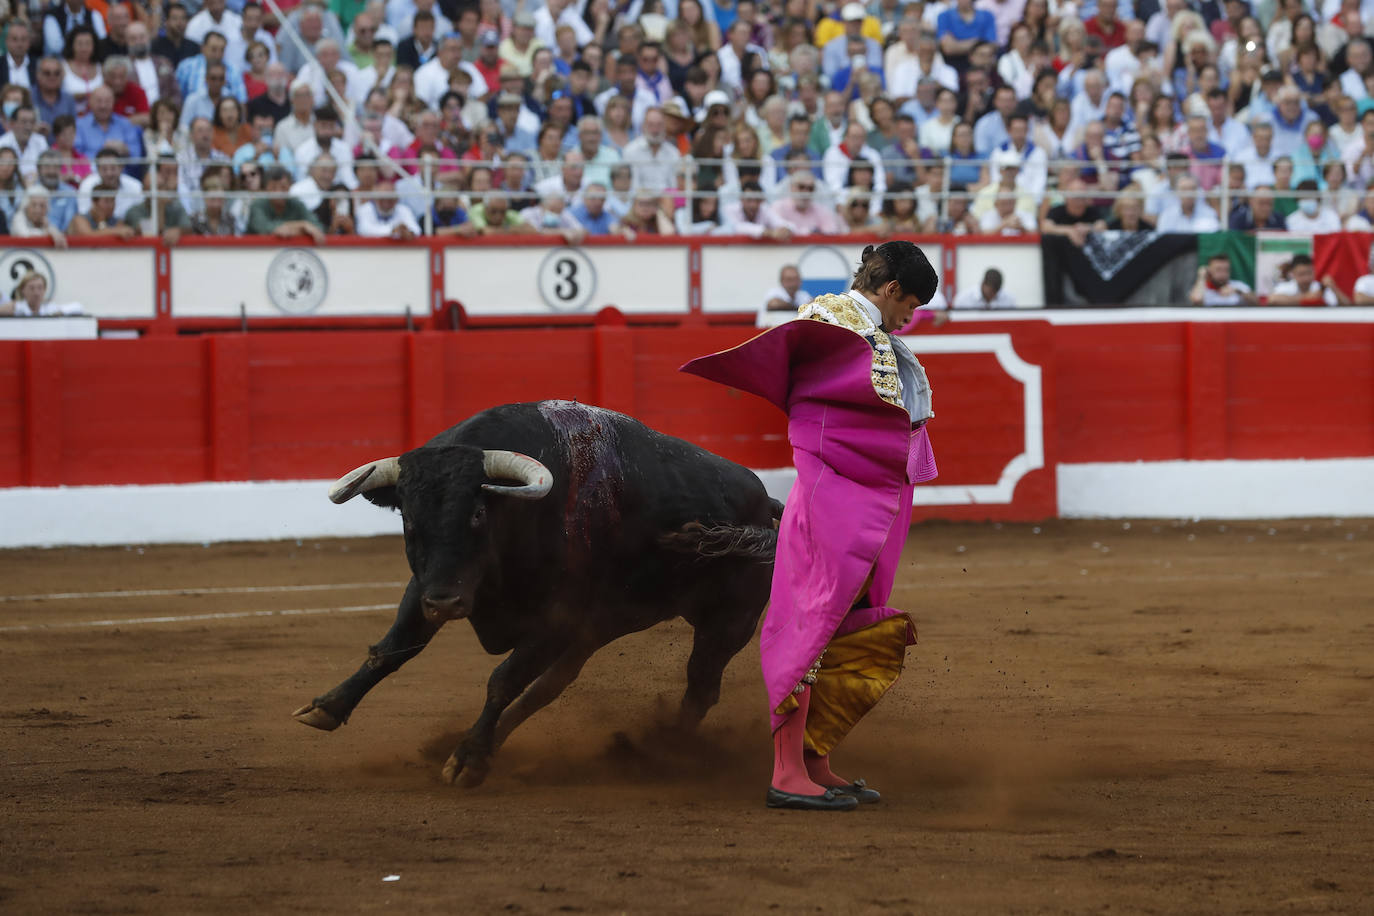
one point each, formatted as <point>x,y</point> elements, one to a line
<point>410,633</point>
<point>470,763</point>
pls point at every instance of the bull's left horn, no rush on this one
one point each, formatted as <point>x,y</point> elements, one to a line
<point>536,479</point>
<point>374,474</point>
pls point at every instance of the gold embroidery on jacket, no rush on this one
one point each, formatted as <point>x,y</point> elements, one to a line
<point>845,312</point>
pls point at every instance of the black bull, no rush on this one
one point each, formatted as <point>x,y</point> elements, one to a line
<point>612,528</point>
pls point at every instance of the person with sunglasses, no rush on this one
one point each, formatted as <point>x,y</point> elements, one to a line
<point>802,213</point>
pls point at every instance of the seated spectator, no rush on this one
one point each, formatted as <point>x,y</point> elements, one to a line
<point>899,211</point>
<point>752,216</point>
<point>215,217</point>
<point>1362,220</point>
<point>1204,156</point>
<point>172,220</point>
<point>1302,288</point>
<point>986,295</point>
<point>193,161</point>
<point>1075,217</point>
<point>102,128</point>
<point>61,196</point>
<point>1005,169</point>
<point>109,180</point>
<point>1258,156</point>
<point>32,221</point>
<point>1005,219</point>
<point>800,213</point>
<point>1214,285</point>
<point>449,217</point>
<point>929,194</point>
<point>700,217</point>
<point>326,197</point>
<point>280,214</point>
<point>957,219</point>
<point>164,133</point>
<point>966,167</point>
<point>100,221</point>
<point>936,133</point>
<point>228,132</point>
<point>1256,212</point>
<point>567,183</point>
<point>76,168</point>
<point>1190,213</point>
<point>590,211</point>
<point>1128,211</point>
<point>23,137</point>
<point>384,217</point>
<point>1291,118</point>
<point>327,139</point>
<point>1313,216</point>
<point>130,101</point>
<point>494,216</point>
<point>646,217</point>
<point>857,214</point>
<point>29,296</point>
<point>782,302</point>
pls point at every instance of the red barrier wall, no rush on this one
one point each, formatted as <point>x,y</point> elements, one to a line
<point>314,404</point>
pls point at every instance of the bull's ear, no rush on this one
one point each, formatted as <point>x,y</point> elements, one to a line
<point>386,497</point>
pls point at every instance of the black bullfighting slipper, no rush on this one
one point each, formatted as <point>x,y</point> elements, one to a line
<point>830,800</point>
<point>860,790</point>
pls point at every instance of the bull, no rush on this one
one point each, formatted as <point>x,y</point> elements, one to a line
<point>555,528</point>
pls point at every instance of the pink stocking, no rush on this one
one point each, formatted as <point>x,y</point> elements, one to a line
<point>818,768</point>
<point>789,766</point>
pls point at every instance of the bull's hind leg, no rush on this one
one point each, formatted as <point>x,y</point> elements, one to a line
<point>410,633</point>
<point>470,763</point>
<point>720,635</point>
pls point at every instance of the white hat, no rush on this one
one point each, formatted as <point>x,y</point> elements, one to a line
<point>1005,159</point>
<point>853,12</point>
<point>715,97</point>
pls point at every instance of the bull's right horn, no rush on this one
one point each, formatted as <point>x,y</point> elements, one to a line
<point>374,474</point>
<point>537,480</point>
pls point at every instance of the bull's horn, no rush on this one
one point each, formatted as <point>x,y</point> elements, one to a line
<point>374,474</point>
<point>499,465</point>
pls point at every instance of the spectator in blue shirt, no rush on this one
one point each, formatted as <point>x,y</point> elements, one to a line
<point>798,141</point>
<point>202,104</point>
<point>61,197</point>
<point>846,78</point>
<point>959,29</point>
<point>450,218</point>
<point>102,127</point>
<point>590,211</point>
<point>191,71</point>
<point>991,130</point>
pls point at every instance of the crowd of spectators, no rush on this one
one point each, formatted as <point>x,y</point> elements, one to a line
<point>766,118</point>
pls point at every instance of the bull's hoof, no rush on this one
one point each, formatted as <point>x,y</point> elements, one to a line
<point>468,775</point>
<point>315,717</point>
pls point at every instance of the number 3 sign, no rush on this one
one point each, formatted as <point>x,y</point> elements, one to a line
<point>567,280</point>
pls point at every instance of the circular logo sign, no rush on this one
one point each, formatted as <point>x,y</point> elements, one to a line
<point>567,280</point>
<point>297,281</point>
<point>824,269</point>
<point>16,263</point>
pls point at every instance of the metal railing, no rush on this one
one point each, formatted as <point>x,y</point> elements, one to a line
<point>424,182</point>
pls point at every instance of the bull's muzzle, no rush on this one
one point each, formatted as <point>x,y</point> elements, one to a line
<point>439,607</point>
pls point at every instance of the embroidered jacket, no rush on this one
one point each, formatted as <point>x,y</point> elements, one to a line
<point>888,382</point>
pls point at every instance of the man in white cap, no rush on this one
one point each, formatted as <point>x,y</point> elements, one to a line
<point>836,54</point>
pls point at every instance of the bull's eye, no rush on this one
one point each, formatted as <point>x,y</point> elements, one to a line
<point>479,516</point>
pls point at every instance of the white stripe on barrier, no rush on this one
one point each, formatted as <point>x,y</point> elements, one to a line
<point>206,590</point>
<point>191,618</point>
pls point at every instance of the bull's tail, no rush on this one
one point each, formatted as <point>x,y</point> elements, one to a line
<point>718,541</point>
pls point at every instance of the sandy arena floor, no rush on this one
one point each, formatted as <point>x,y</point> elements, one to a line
<point>1163,718</point>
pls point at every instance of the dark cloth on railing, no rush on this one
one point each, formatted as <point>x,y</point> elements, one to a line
<point>1112,267</point>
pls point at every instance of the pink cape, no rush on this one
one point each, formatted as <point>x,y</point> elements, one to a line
<point>857,460</point>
